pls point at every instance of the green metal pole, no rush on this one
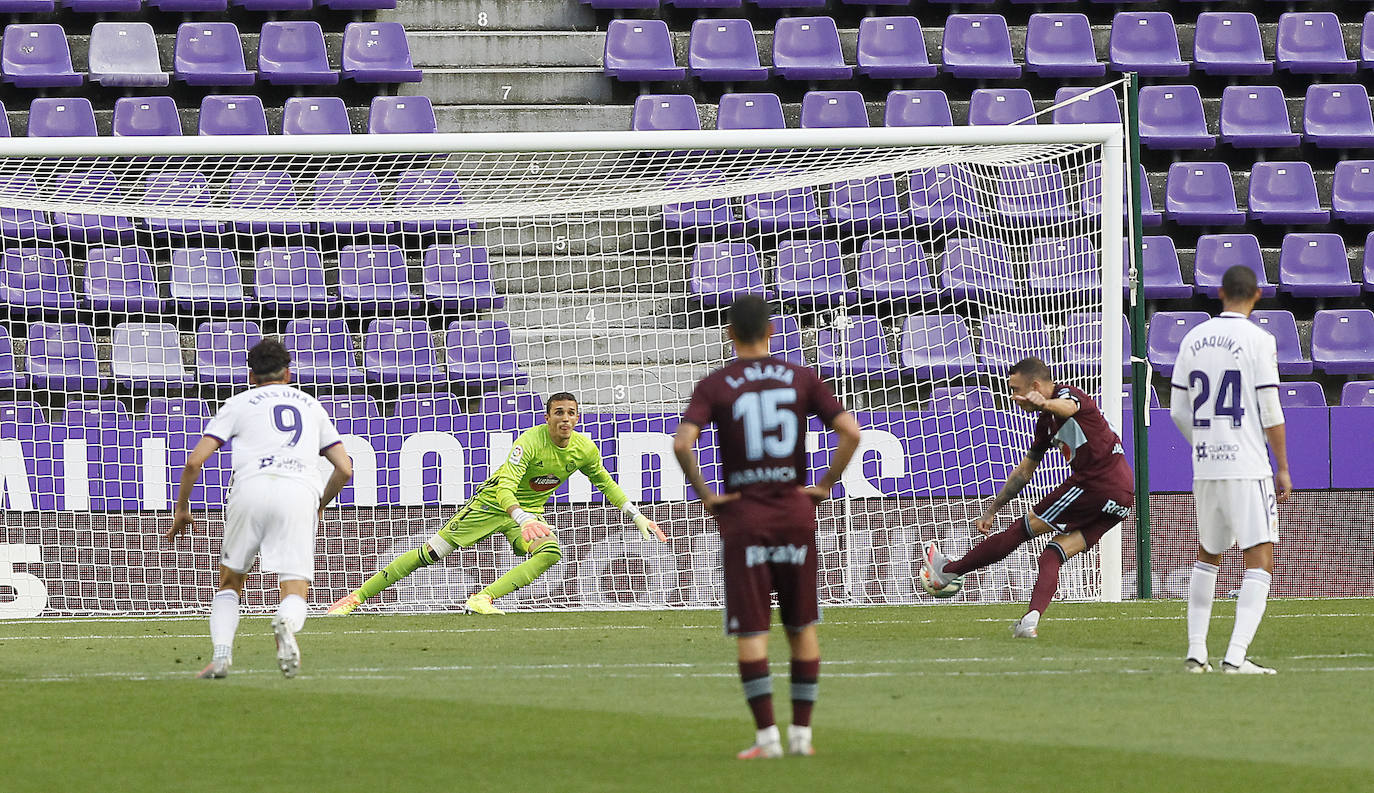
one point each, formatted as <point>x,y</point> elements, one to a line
<point>1139,371</point>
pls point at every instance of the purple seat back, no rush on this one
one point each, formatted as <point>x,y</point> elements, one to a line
<point>1315,265</point>
<point>121,279</point>
<point>1217,253</point>
<point>36,279</point>
<point>808,48</point>
<point>240,114</point>
<point>147,355</point>
<point>37,56</point>
<point>377,52</point>
<point>178,408</point>
<point>322,351</point>
<point>823,109</point>
<point>812,271</point>
<point>206,275</point>
<point>1007,338</point>
<point>665,111</point>
<point>786,341</point>
<point>293,53</point>
<point>1033,193</point>
<point>944,196</point>
<point>1061,45</point>
<point>146,115</point>
<point>62,357</point>
<point>721,271</point>
<point>1079,107</point>
<point>870,202</point>
<point>781,210</point>
<point>893,269</point>
<point>1000,106</point>
<point>1145,42</point>
<point>9,377</point>
<point>1284,328</point>
<point>125,54</point>
<point>1064,264</point>
<point>315,115</point>
<point>1082,346</point>
<point>1358,394</point>
<point>937,345</point>
<point>1301,394</point>
<point>511,404</point>
<point>61,118</point>
<point>399,351</point>
<point>1228,43</point>
<point>1285,193</point>
<point>480,350</point>
<point>1171,117</point>
<point>1161,271</point>
<point>401,114</point>
<point>210,53</point>
<point>724,50</point>
<point>893,48</point>
<point>427,405</point>
<point>262,189</point>
<point>958,399</point>
<point>1343,341</point>
<point>1255,116</point>
<point>1201,193</point>
<point>1166,332</point>
<point>750,111</point>
<point>862,350</point>
<point>1310,42</point>
<point>1338,116</point>
<point>640,49</point>
<point>95,413</point>
<point>222,351</point>
<point>978,46</point>
<point>430,187</point>
<point>350,407</point>
<point>374,273</point>
<point>973,266</point>
<point>1352,191</point>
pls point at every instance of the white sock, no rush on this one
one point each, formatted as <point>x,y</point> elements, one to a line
<point>797,733</point>
<point>292,612</point>
<point>767,735</point>
<point>1202,590</point>
<point>224,622</point>
<point>1254,590</point>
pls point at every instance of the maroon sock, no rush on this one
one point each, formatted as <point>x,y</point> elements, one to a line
<point>804,675</point>
<point>758,690</point>
<point>991,550</point>
<point>1047,580</point>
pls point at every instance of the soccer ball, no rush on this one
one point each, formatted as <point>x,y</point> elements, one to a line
<point>947,591</point>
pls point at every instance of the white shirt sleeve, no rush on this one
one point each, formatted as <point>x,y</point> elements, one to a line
<point>223,424</point>
<point>329,435</point>
<point>1267,364</point>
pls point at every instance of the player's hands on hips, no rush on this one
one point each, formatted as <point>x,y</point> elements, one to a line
<point>1283,486</point>
<point>817,493</point>
<point>645,526</point>
<point>535,529</point>
<point>984,524</point>
<point>181,523</point>
<point>713,501</point>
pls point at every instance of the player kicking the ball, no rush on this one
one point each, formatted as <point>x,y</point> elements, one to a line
<point>767,516</point>
<point>1099,492</point>
<point>1226,402</point>
<point>276,503</point>
<point>512,502</point>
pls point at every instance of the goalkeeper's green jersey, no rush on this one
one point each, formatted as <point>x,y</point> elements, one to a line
<point>536,467</point>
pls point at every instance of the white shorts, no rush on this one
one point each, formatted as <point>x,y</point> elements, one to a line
<point>1235,512</point>
<point>277,517</point>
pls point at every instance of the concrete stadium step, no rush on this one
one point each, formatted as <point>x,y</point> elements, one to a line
<point>446,48</point>
<point>485,15</point>
<point>619,346</point>
<point>534,85</point>
<point>532,118</point>
<point>592,310</point>
<point>603,388</point>
<point>516,274</point>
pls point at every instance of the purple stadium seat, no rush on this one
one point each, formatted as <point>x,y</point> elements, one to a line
<point>1315,265</point>
<point>1064,264</point>
<point>1080,107</point>
<point>867,204</point>
<point>1092,195</point>
<point>977,268</point>
<point>121,280</point>
<point>894,270</point>
<point>811,273</point>
<point>428,405</point>
<point>146,115</point>
<point>189,5</point>
<point>95,413</point>
<point>269,192</point>
<point>1367,42</point>
<point>1352,191</point>
<point>36,281</point>
<point>1368,278</point>
<point>861,350</point>
<point>917,108</point>
<point>696,4</point>
<point>1033,193</point>
<point>892,48</point>
<point>146,356</point>
<point>724,50</point>
<point>665,111</point>
<point>1145,42</point>
<point>22,224</point>
<point>377,52</point>
<point>944,196</point>
<point>1061,45</point>
<point>978,46</point>
<point>125,54</point>
<point>222,352</point>
<point>1171,117</point>
<point>786,341</point>
<point>511,404</point>
<point>1301,394</point>
<point>1228,43</point>
<point>1255,117</point>
<point>293,53</point>
<point>722,271</point>
<point>272,5</point>
<point>1000,106</point>
<point>1338,116</point>
<point>1283,193</point>
<point>750,111</point>
<point>210,53</point>
<point>479,352</point>
<point>646,4</point>
<point>345,409</point>
<point>821,109</point>
<point>356,5</point>
<point>1166,332</point>
<point>1082,347</point>
<point>241,114</point>
<point>401,114</point>
<point>1217,253</point>
<point>458,277</point>
<point>1357,393</point>
<point>353,194</point>
<point>399,351</point>
<point>164,411</point>
<point>98,185</point>
<point>1160,270</point>
<point>937,345</point>
<point>291,278</point>
<point>180,188</point>
<point>793,209</point>
<point>374,278</point>
<point>708,216</point>
<point>789,3</point>
<point>9,378</point>
<point>37,56</point>
<point>1201,194</point>
<point>1343,341</point>
<point>103,6</point>
<point>61,118</point>
<point>808,48</point>
<point>27,6</point>
<point>1284,329</point>
<point>1007,338</point>
<point>207,279</point>
<point>962,399</point>
<point>315,115</point>
<point>1311,43</point>
<point>4,122</point>
<point>430,187</point>
<point>62,358</point>
<point>640,49</point>
<point>322,352</point>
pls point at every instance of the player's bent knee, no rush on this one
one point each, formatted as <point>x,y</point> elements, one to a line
<point>548,546</point>
<point>1055,548</point>
<point>434,549</point>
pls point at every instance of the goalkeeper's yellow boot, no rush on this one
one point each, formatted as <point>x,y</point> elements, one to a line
<point>344,605</point>
<point>480,603</point>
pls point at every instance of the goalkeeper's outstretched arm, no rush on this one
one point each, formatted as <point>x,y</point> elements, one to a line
<point>601,478</point>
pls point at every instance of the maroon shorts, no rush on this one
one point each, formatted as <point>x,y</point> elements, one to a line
<point>1071,507</point>
<point>769,546</point>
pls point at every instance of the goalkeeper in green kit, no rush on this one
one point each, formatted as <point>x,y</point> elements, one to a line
<point>511,502</point>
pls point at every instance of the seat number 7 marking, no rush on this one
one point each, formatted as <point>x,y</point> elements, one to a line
<point>1228,396</point>
<point>770,425</point>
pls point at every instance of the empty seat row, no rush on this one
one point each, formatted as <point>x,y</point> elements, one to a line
<point>1310,265</point>
<point>978,46</point>
<point>370,278</point>
<point>134,6</point>
<point>785,4</point>
<point>1342,340</point>
<point>148,355</point>
<point>225,115</point>
<point>125,54</point>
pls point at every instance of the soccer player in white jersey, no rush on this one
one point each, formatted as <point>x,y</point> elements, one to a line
<point>1226,403</point>
<point>275,502</point>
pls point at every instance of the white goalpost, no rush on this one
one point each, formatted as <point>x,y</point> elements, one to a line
<point>433,288</point>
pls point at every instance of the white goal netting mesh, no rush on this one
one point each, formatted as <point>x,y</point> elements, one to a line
<point>432,300</point>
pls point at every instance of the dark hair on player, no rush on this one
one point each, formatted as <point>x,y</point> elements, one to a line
<point>749,317</point>
<point>268,357</point>
<point>561,396</point>
<point>1031,367</point>
<point>1238,283</point>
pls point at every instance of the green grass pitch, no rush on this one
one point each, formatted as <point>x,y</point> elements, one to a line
<point>913,699</point>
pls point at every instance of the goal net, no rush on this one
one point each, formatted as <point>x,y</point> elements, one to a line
<point>435,289</point>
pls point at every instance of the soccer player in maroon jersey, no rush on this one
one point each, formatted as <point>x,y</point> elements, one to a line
<point>767,514</point>
<point>1099,492</point>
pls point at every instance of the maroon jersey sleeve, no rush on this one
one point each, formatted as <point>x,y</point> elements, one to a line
<point>1043,436</point>
<point>699,406</point>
